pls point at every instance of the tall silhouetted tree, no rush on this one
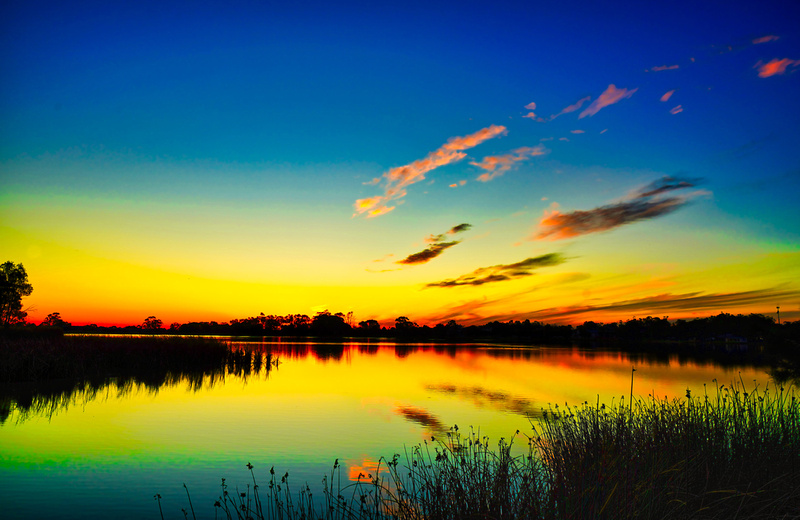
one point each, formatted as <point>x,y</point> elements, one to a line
<point>13,286</point>
<point>152,323</point>
<point>54,320</point>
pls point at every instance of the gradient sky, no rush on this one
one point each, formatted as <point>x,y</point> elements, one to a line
<point>213,160</point>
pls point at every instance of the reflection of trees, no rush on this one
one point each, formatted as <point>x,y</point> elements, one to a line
<point>42,376</point>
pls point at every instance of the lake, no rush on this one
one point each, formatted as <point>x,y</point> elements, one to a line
<point>106,454</point>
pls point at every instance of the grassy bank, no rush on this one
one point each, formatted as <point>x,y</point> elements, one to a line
<point>730,454</point>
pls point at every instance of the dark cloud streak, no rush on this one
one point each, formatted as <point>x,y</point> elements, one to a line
<point>437,247</point>
<point>646,203</point>
<point>502,272</point>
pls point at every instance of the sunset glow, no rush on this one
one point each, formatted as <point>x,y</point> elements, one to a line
<point>211,163</point>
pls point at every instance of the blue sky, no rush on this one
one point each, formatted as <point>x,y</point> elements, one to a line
<point>149,133</point>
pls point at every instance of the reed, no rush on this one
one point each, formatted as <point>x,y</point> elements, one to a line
<point>731,454</point>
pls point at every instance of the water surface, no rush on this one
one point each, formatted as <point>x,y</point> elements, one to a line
<point>104,454</point>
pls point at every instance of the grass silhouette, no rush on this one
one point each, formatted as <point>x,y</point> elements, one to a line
<point>732,454</point>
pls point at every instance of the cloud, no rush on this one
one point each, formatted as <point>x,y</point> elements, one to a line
<point>531,115</point>
<point>502,272</point>
<point>531,106</point>
<point>571,108</point>
<point>611,95</point>
<point>662,303</point>
<point>427,254</point>
<point>397,179</point>
<point>663,67</point>
<point>646,203</point>
<point>765,39</point>
<point>438,245</point>
<point>666,96</point>
<point>774,67</point>
<point>577,131</point>
<point>676,110</point>
<point>460,228</point>
<point>497,165</point>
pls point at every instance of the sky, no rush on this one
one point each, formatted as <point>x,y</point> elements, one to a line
<point>474,161</point>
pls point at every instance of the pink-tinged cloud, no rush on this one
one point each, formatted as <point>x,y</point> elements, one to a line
<point>397,179</point>
<point>611,95</point>
<point>531,115</point>
<point>645,203</point>
<point>765,39</point>
<point>571,108</point>
<point>531,106</point>
<point>775,67</point>
<point>666,96</point>
<point>577,131</point>
<point>676,110</point>
<point>497,165</point>
<point>663,67</point>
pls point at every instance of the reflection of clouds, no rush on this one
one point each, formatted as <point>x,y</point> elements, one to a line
<point>487,398</point>
<point>423,418</point>
<point>367,470</point>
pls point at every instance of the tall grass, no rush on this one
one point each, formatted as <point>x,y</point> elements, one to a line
<point>734,454</point>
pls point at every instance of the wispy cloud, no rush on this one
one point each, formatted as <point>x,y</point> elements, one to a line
<point>646,203</point>
<point>774,67</point>
<point>497,165</point>
<point>667,95</point>
<point>610,96</point>
<point>765,39</point>
<point>398,179</point>
<point>438,244</point>
<point>663,67</point>
<point>662,303</point>
<point>571,108</point>
<point>676,110</point>
<point>502,272</point>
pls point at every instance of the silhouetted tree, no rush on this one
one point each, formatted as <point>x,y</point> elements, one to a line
<point>327,324</point>
<point>152,323</point>
<point>54,320</point>
<point>13,286</point>
<point>369,326</point>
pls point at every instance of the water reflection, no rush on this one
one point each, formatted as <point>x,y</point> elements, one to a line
<point>256,358</point>
<point>49,397</point>
<point>299,406</point>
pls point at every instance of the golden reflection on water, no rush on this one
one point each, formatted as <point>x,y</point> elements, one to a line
<point>354,402</point>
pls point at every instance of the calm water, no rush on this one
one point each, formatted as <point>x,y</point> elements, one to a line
<point>106,455</point>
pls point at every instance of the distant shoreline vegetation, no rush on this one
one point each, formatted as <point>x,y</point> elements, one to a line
<point>720,329</point>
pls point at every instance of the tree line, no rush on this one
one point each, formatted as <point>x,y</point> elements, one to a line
<point>726,328</point>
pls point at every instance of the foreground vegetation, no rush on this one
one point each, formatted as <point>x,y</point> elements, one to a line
<point>731,454</point>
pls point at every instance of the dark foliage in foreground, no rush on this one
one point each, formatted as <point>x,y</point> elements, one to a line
<point>733,454</point>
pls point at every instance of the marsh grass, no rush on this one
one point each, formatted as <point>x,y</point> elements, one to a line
<point>733,454</point>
